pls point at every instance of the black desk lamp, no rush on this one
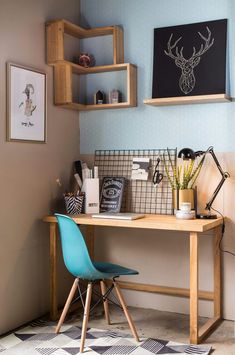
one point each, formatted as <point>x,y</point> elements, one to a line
<point>187,153</point>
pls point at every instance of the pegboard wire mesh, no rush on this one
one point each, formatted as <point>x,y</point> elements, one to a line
<point>139,196</point>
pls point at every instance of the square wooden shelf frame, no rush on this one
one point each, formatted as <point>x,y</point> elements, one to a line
<point>55,39</point>
<point>63,72</point>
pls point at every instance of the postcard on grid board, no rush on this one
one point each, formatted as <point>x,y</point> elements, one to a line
<point>140,169</point>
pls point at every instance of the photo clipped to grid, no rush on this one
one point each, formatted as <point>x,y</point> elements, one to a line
<point>139,196</point>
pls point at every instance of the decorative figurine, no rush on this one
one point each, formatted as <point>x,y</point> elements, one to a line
<point>84,59</point>
<point>99,98</point>
<point>114,96</point>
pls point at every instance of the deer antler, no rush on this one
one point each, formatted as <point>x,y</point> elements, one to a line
<point>179,54</point>
<point>204,48</point>
<point>170,47</point>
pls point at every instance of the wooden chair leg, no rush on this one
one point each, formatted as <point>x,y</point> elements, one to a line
<point>105,302</point>
<point>127,314</point>
<point>67,304</point>
<point>86,316</point>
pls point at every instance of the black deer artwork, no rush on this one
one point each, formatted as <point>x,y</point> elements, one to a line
<point>190,60</point>
<point>187,80</point>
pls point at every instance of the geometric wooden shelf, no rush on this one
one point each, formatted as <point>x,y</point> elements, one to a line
<point>55,39</point>
<point>82,107</point>
<point>63,85</point>
<point>198,99</point>
<point>63,70</point>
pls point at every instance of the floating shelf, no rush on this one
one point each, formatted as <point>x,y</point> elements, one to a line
<point>63,85</point>
<point>81,107</point>
<point>199,99</point>
<point>80,70</point>
<point>55,39</point>
<point>64,69</point>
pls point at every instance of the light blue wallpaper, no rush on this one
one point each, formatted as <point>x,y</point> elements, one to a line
<point>195,126</point>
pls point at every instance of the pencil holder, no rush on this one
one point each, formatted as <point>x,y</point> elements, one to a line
<point>74,203</point>
<point>91,189</point>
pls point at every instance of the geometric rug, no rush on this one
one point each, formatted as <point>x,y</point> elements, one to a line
<point>36,340</point>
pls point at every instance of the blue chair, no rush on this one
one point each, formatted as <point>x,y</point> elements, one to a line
<point>79,264</point>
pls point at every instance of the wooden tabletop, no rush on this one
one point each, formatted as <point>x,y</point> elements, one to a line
<point>150,221</point>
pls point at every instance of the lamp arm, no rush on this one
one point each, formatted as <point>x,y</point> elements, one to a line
<point>215,193</point>
<point>224,175</point>
<point>212,153</point>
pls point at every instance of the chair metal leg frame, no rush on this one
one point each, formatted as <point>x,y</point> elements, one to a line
<point>80,297</point>
<point>106,296</point>
<point>86,316</point>
<point>105,301</point>
<point>67,304</point>
<point>101,297</point>
<point>124,307</point>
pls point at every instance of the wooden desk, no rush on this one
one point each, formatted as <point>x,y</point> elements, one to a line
<point>195,228</point>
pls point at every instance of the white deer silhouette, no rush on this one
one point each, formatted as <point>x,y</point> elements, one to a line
<point>187,79</point>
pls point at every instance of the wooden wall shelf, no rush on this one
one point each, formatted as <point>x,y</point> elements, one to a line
<point>81,107</point>
<point>55,39</point>
<point>80,70</point>
<point>63,69</point>
<point>199,99</point>
<point>63,72</point>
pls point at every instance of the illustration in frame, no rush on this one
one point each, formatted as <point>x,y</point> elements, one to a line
<point>26,104</point>
<point>190,59</point>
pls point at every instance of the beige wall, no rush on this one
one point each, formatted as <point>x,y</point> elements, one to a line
<point>163,258</point>
<point>28,171</point>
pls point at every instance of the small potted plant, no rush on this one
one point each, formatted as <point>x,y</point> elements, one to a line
<point>182,178</point>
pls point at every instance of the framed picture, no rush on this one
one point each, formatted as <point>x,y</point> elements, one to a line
<point>26,104</point>
<point>190,59</point>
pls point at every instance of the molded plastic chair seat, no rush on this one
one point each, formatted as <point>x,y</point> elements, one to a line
<point>79,264</point>
<point>113,270</point>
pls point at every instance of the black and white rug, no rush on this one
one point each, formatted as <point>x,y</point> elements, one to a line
<point>35,340</point>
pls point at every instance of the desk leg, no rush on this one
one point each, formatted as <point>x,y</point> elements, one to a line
<point>193,288</point>
<point>217,273</point>
<point>197,335</point>
<point>53,271</point>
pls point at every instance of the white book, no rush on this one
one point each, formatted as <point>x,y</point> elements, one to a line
<point>118,215</point>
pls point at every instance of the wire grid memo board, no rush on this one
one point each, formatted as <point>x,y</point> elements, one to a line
<point>139,196</point>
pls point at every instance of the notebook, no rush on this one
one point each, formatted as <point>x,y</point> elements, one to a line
<point>118,215</point>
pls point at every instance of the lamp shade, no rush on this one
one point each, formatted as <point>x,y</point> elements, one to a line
<point>186,154</point>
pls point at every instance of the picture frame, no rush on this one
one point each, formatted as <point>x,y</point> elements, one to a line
<point>26,104</point>
<point>186,58</point>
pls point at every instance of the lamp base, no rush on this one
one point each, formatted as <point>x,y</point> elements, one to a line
<point>206,216</point>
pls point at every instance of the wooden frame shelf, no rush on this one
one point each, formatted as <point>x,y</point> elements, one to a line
<point>63,72</point>
<point>198,99</point>
<point>55,39</point>
<point>90,107</point>
<point>80,70</point>
<point>63,69</point>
